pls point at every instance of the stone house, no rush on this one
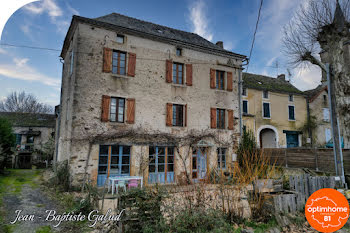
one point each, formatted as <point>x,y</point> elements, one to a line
<point>32,132</point>
<point>143,99</point>
<point>274,110</point>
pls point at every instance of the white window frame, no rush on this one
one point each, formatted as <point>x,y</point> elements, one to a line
<point>326,120</point>
<point>247,107</point>
<point>268,95</point>
<point>246,91</point>
<point>290,95</point>
<point>262,110</point>
<point>288,112</point>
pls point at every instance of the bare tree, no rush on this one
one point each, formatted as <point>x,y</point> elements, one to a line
<point>317,34</point>
<point>23,102</point>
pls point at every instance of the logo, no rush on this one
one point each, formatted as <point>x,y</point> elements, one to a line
<point>327,210</point>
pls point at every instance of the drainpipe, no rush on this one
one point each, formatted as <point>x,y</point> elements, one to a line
<point>309,119</point>
<point>240,102</point>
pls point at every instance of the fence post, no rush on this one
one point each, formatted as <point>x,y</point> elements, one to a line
<point>316,158</point>
<point>286,157</point>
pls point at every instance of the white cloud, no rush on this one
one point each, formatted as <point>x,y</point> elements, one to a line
<point>199,19</point>
<point>48,6</point>
<point>22,71</point>
<point>3,51</point>
<point>306,78</point>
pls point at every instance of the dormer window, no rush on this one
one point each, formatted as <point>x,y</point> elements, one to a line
<point>178,52</point>
<point>120,38</point>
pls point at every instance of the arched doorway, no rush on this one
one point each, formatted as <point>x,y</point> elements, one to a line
<point>267,138</point>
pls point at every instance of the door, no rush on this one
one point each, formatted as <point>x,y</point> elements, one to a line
<point>292,140</point>
<point>161,165</point>
<point>114,160</point>
<point>199,164</point>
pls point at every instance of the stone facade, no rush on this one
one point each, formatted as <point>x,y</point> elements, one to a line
<point>82,131</point>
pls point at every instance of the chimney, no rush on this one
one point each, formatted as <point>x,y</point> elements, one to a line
<point>220,44</point>
<point>281,77</point>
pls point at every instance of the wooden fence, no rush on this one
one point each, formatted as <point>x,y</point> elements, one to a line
<point>301,188</point>
<point>313,159</point>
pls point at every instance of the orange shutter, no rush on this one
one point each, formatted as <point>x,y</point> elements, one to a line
<point>212,78</point>
<point>230,119</point>
<point>169,114</point>
<point>189,74</point>
<point>130,111</point>
<point>213,118</point>
<point>229,81</point>
<point>185,115</point>
<point>105,108</point>
<point>107,60</point>
<point>168,67</point>
<point>131,64</point>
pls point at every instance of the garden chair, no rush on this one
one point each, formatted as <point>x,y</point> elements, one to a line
<point>133,183</point>
<point>122,184</point>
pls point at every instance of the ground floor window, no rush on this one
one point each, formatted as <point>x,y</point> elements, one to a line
<point>221,158</point>
<point>161,164</point>
<point>199,163</point>
<point>114,160</point>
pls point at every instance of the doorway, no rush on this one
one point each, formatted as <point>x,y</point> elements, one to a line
<point>267,138</point>
<point>199,164</point>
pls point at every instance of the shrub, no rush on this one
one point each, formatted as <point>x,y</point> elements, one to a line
<point>62,177</point>
<point>246,148</point>
<point>7,141</point>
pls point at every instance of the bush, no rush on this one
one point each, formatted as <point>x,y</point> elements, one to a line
<point>62,177</point>
<point>7,141</point>
<point>247,147</point>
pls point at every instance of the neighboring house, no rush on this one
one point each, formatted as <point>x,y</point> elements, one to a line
<point>32,131</point>
<point>143,99</point>
<point>274,110</point>
<point>320,114</point>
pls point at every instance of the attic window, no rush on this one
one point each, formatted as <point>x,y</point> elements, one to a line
<point>178,52</point>
<point>260,82</point>
<point>120,38</point>
<point>160,31</point>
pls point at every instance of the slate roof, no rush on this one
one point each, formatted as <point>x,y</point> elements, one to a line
<point>261,82</point>
<point>30,119</point>
<point>314,93</point>
<point>153,31</point>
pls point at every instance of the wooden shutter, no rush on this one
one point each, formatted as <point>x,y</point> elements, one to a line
<point>168,68</point>
<point>185,123</point>
<point>229,81</point>
<point>230,119</point>
<point>106,100</point>
<point>213,118</point>
<point>189,74</point>
<point>131,64</point>
<point>212,78</point>
<point>130,111</point>
<point>107,60</point>
<point>169,114</point>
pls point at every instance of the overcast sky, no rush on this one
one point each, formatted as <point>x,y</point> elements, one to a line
<point>45,23</point>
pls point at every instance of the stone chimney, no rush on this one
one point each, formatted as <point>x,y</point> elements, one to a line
<point>281,77</point>
<point>220,44</point>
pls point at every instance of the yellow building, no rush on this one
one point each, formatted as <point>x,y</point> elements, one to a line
<point>274,110</point>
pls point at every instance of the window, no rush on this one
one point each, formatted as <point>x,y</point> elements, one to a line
<point>30,139</point>
<point>178,52</point>
<point>245,106</point>
<point>178,115</point>
<point>119,62</point>
<point>18,139</point>
<point>161,164</point>
<point>221,158</point>
<point>71,62</point>
<point>266,110</point>
<point>178,73</point>
<point>291,98</point>
<point>328,134</point>
<point>324,99</point>
<point>220,118</point>
<point>244,91</point>
<point>326,114</point>
<point>117,110</point>
<point>114,160</point>
<point>265,94</point>
<point>120,38</point>
<point>220,80</point>
<point>291,115</point>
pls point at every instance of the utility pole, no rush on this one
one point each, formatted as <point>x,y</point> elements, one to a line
<point>338,155</point>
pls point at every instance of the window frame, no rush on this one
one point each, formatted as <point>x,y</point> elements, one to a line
<point>118,62</point>
<point>117,109</point>
<point>291,98</point>
<point>263,110</point>
<point>289,112</point>
<point>220,112</point>
<point>267,93</point>
<point>180,52</point>
<point>246,91</point>
<point>220,156</point>
<point>120,36</point>
<point>178,117</point>
<point>218,80</point>
<point>109,155</point>
<point>176,81</point>
<point>166,163</point>
<point>71,65</point>
<point>243,106</point>
<point>323,113</point>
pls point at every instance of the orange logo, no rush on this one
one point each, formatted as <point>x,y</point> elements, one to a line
<point>327,210</point>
